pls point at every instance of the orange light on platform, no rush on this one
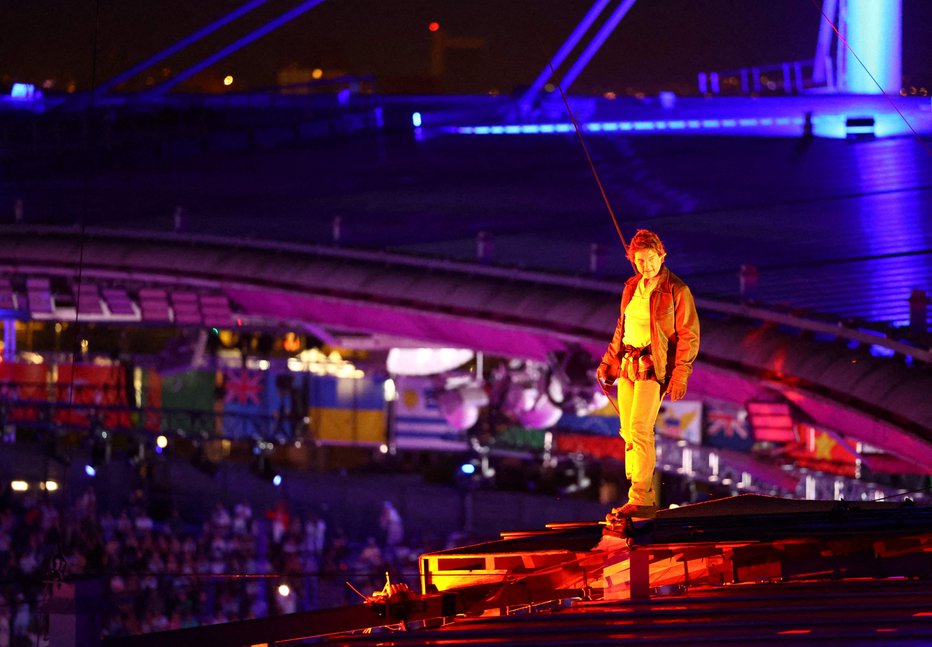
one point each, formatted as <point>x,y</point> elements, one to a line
<point>291,343</point>
<point>434,26</point>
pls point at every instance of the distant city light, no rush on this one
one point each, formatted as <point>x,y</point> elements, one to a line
<point>317,73</point>
<point>434,26</point>
<point>416,119</point>
<point>264,364</point>
<point>51,486</point>
<point>162,442</point>
<point>276,481</point>
<point>90,471</point>
<point>19,486</point>
<point>284,590</point>
<point>228,80</point>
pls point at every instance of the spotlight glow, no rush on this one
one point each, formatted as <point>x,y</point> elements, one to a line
<point>161,442</point>
<point>468,468</point>
<point>284,590</point>
<point>51,486</point>
<point>277,480</point>
<point>90,471</point>
<point>19,486</point>
<point>228,80</point>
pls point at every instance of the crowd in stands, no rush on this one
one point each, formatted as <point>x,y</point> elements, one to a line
<point>178,573</point>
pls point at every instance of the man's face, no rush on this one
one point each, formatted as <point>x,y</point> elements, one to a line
<point>648,262</point>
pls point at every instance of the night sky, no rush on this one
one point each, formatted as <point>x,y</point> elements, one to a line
<point>658,41</point>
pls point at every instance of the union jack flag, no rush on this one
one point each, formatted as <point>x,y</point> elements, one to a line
<point>726,428</point>
<point>725,424</point>
<point>243,387</point>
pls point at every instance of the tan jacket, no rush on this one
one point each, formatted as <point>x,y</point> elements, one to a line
<point>674,329</point>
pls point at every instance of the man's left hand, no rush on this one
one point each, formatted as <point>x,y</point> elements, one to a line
<point>676,390</point>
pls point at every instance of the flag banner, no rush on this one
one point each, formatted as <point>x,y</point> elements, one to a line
<point>347,410</point>
<point>191,390</point>
<point>419,423</point>
<point>89,393</point>
<point>22,382</point>
<point>593,446</point>
<point>823,450</point>
<point>595,423</point>
<point>681,420</point>
<point>151,399</point>
<point>245,413</point>
<point>520,438</point>
<point>726,426</point>
<point>189,401</point>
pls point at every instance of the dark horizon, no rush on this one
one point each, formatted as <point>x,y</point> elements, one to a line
<point>661,42</point>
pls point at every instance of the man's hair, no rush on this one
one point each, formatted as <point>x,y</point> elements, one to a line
<point>645,239</point>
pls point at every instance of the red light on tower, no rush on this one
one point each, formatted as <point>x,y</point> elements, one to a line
<point>434,26</point>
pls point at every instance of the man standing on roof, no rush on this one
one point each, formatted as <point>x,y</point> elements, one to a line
<point>651,354</point>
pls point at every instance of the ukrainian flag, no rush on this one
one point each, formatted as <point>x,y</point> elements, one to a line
<point>347,411</point>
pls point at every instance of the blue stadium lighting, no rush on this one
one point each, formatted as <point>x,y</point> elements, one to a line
<point>416,120</point>
<point>90,471</point>
<point>23,92</point>
<point>825,125</point>
<point>277,480</point>
<point>468,468</point>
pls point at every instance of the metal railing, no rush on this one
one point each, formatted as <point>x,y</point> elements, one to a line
<point>888,338</point>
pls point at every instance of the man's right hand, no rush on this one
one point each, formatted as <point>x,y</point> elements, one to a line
<point>604,374</point>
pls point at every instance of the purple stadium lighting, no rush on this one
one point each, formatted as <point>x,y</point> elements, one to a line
<point>558,58</point>
<point>177,47</point>
<point>235,46</point>
<point>604,32</point>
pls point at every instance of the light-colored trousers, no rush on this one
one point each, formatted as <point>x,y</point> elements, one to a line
<point>638,405</point>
